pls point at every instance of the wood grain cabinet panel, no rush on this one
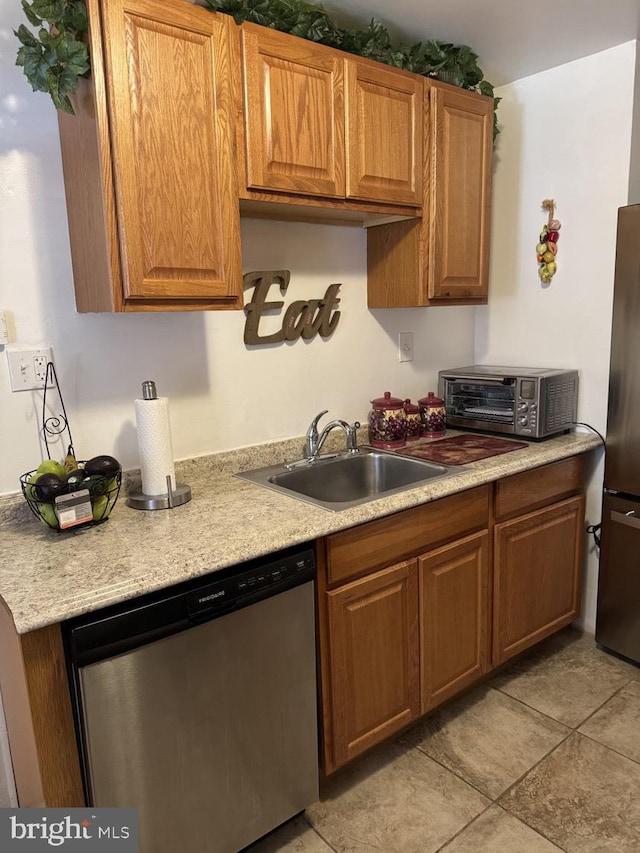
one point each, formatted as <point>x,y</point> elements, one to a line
<point>538,487</point>
<point>322,125</point>
<point>378,543</point>
<point>537,563</point>
<point>373,659</point>
<point>383,134</point>
<point>454,618</point>
<point>460,172</point>
<point>442,259</point>
<point>293,113</point>
<point>148,162</point>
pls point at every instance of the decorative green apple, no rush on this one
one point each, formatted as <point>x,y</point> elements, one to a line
<point>48,515</point>
<point>100,506</point>
<point>50,466</point>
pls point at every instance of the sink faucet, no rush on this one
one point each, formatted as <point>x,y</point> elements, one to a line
<point>314,441</point>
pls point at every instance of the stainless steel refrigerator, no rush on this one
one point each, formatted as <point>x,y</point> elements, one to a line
<point>618,615</point>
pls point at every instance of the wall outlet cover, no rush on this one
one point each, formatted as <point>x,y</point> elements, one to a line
<point>28,367</point>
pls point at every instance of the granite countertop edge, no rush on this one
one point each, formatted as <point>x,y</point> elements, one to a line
<point>47,577</point>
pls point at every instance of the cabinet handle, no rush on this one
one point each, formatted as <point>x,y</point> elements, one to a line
<point>628,518</point>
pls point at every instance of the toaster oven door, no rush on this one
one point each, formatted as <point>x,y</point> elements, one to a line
<point>484,404</point>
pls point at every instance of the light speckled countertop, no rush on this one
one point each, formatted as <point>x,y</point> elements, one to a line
<point>46,577</point>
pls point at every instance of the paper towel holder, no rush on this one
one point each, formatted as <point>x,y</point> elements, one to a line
<point>173,497</point>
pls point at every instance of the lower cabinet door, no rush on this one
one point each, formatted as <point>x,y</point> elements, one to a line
<point>537,562</point>
<point>373,625</point>
<point>454,617</point>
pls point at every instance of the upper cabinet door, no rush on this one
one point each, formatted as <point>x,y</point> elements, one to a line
<point>384,133</point>
<point>172,141</point>
<point>294,114</point>
<point>461,133</point>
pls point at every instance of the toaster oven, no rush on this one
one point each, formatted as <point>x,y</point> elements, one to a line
<point>523,401</point>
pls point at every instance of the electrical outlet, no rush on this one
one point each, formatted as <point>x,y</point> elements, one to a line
<point>28,368</point>
<point>405,346</point>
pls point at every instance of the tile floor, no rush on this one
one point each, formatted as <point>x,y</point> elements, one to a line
<point>544,757</point>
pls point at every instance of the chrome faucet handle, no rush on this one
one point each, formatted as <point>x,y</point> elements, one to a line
<point>311,445</point>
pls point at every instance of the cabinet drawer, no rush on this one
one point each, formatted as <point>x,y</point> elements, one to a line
<point>378,543</point>
<point>540,486</point>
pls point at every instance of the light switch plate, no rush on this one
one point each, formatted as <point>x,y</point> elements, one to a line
<point>405,346</point>
<point>28,367</point>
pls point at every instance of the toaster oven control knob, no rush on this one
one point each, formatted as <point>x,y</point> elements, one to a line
<point>523,420</point>
<point>523,407</point>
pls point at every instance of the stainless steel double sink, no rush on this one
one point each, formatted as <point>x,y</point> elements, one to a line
<point>346,480</point>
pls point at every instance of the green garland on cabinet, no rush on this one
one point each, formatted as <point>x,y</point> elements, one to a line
<point>55,57</point>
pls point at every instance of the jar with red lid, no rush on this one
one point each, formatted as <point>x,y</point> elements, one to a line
<point>387,422</point>
<point>414,421</point>
<point>433,414</point>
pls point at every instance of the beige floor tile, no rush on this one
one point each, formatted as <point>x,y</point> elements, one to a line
<point>617,724</point>
<point>583,797</point>
<point>496,831</point>
<point>396,801</point>
<point>295,835</point>
<point>568,678</point>
<point>487,738</point>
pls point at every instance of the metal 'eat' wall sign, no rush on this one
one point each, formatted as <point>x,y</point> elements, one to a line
<point>302,319</point>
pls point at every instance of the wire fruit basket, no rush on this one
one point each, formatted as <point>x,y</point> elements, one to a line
<point>74,494</point>
<point>96,494</point>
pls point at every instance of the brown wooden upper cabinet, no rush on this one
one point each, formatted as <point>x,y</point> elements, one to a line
<point>319,123</point>
<point>383,133</point>
<point>294,114</point>
<point>150,183</point>
<point>443,258</point>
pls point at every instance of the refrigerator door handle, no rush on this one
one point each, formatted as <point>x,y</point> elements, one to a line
<point>630,518</point>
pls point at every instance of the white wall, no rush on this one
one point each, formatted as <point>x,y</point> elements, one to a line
<point>566,134</point>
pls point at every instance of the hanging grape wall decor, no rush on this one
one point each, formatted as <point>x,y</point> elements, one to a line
<point>547,248</point>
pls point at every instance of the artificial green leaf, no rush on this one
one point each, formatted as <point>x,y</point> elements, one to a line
<point>67,80</point>
<point>75,57</point>
<point>75,16</point>
<point>486,88</point>
<point>223,6</point>
<point>46,38</point>
<point>49,10</point>
<point>25,36</point>
<point>30,58</point>
<point>31,15</point>
<point>379,33</point>
<point>52,88</point>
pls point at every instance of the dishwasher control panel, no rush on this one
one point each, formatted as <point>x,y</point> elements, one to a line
<point>269,577</point>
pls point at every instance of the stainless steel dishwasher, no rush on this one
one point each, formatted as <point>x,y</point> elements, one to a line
<point>197,705</point>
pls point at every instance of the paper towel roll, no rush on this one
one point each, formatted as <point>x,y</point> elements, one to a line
<point>154,445</point>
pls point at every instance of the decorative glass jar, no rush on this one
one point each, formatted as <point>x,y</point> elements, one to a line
<point>433,416</point>
<point>387,422</point>
<point>414,421</point>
